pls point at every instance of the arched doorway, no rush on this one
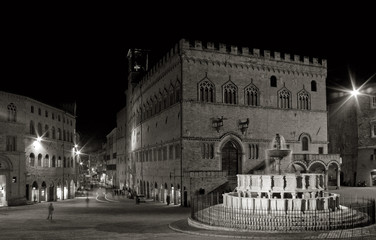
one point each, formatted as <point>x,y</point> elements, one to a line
<point>51,192</point>
<point>43,192</point>
<point>35,192</point>
<point>230,160</point>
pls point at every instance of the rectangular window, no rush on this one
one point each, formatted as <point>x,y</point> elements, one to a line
<point>373,102</point>
<point>32,109</point>
<point>165,153</point>
<point>373,129</point>
<point>11,144</point>
<point>171,152</point>
<point>177,151</point>
<point>46,113</point>
<point>321,150</point>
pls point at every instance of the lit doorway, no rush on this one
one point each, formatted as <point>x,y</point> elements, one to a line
<point>3,195</point>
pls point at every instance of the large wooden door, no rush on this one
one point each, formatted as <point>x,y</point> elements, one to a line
<point>230,159</point>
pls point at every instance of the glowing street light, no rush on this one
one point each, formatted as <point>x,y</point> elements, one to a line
<point>354,92</point>
<point>39,139</point>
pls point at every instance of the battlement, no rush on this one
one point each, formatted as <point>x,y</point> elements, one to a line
<point>233,50</point>
<point>255,52</point>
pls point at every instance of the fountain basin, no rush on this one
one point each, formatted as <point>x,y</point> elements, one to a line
<point>280,153</point>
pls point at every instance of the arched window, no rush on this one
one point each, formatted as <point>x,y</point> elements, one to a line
<point>273,81</point>
<point>40,131</point>
<point>12,113</point>
<point>284,98</point>
<point>304,143</point>
<point>65,162</point>
<point>304,100</point>
<point>53,161</point>
<point>59,161</point>
<point>32,128</point>
<point>47,133</point>
<point>251,95</point>
<point>206,91</point>
<point>53,133</point>
<point>59,133</point>
<point>32,159</point>
<point>39,160</point>
<point>313,86</point>
<point>46,162</point>
<point>230,93</point>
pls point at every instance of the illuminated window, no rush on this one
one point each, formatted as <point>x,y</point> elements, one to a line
<point>32,159</point>
<point>39,160</point>
<point>373,102</point>
<point>373,129</point>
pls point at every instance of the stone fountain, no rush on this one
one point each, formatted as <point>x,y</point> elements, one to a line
<point>278,200</point>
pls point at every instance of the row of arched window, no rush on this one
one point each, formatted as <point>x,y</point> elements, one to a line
<point>46,113</point>
<point>251,95</point>
<point>164,153</point>
<point>56,133</point>
<point>50,163</point>
<point>158,103</point>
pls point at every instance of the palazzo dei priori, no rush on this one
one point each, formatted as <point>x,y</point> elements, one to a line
<point>206,112</point>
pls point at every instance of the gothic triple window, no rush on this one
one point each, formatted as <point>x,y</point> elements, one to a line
<point>12,113</point>
<point>230,93</point>
<point>206,91</point>
<point>284,98</point>
<point>304,100</point>
<point>251,95</point>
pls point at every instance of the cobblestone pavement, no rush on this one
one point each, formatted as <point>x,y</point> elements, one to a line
<point>120,218</point>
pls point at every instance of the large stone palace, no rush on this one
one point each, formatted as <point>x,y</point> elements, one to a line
<point>206,112</point>
<point>37,155</point>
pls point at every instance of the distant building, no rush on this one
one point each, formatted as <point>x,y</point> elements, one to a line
<point>111,158</point>
<point>121,126</point>
<point>206,112</point>
<point>352,132</point>
<point>37,157</point>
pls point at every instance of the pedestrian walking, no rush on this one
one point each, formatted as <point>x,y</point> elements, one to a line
<point>87,201</point>
<point>50,211</point>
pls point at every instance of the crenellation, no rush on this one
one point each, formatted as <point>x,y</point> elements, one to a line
<point>277,55</point>
<point>306,60</point>
<point>296,58</point>
<point>256,52</point>
<point>210,46</point>
<point>287,57</point>
<point>234,49</point>
<point>198,44</point>
<point>315,61</point>
<point>222,48</point>
<point>267,54</point>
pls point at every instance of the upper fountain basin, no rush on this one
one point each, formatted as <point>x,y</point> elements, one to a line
<point>278,152</point>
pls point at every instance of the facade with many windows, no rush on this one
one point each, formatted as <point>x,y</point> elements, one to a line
<point>206,112</point>
<point>38,161</point>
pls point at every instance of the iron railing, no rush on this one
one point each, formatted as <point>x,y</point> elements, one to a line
<point>351,213</point>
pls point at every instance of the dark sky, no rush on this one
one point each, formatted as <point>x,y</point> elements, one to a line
<point>80,55</point>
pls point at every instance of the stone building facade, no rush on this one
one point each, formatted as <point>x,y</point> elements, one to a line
<point>37,151</point>
<point>206,112</point>
<point>352,124</point>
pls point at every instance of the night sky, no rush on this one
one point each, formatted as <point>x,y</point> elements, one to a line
<point>80,56</point>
